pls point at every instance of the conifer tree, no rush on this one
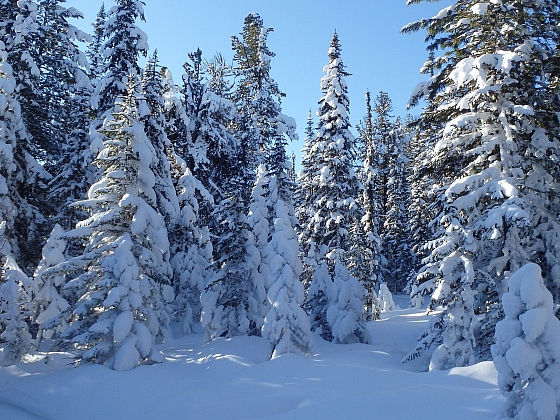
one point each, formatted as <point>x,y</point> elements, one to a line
<point>16,164</point>
<point>365,264</point>
<point>233,302</point>
<point>94,50</point>
<point>49,302</point>
<point>391,194</point>
<point>191,251</point>
<point>496,150</point>
<point>286,324</point>
<point>74,172</point>
<point>63,68</point>
<point>257,95</point>
<point>123,276</point>
<point>125,42</point>
<point>19,31</point>
<point>526,353</point>
<point>152,114</point>
<point>331,191</point>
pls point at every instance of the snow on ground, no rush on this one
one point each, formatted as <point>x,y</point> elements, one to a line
<point>233,379</point>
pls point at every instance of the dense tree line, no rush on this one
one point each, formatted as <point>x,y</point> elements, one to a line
<point>177,202</point>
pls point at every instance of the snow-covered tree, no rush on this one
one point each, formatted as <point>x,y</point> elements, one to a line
<point>495,154</point>
<point>202,136</point>
<point>386,302</point>
<point>233,302</point>
<point>259,222</point>
<point>125,42</point>
<point>390,193</point>
<point>16,294</point>
<point>527,349</point>
<point>345,314</point>
<point>257,95</point>
<point>286,325</point>
<point>318,300</point>
<point>192,252</point>
<point>63,68</point>
<point>123,276</point>
<point>365,264</point>
<point>305,178</point>
<point>331,189</point>
<point>95,46</point>
<point>21,89</point>
<point>49,303</point>
<point>152,113</point>
<point>74,172</point>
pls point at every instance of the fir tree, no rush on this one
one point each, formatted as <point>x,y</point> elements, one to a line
<point>125,42</point>
<point>19,30</point>
<point>124,273</point>
<point>331,191</point>
<point>95,47</point>
<point>365,264</point>
<point>257,95</point>
<point>49,302</point>
<point>192,252</point>
<point>152,114</point>
<point>495,153</point>
<point>286,325</point>
<point>233,302</point>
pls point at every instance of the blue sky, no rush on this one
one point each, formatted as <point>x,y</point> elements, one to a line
<point>373,50</point>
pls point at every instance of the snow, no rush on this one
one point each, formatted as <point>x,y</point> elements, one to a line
<point>234,379</point>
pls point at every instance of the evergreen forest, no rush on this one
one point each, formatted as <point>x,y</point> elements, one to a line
<point>136,205</point>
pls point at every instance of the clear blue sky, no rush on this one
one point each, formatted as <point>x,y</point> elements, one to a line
<point>373,50</point>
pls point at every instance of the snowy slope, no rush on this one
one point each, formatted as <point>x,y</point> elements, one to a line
<point>233,379</point>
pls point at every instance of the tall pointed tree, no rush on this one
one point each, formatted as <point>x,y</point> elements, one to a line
<point>257,95</point>
<point>123,274</point>
<point>332,191</point>
<point>286,324</point>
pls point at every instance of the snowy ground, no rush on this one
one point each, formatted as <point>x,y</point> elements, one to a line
<point>232,379</point>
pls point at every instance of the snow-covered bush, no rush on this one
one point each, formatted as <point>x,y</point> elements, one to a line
<point>527,349</point>
<point>385,298</point>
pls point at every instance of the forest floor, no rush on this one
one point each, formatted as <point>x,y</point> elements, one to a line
<point>233,379</point>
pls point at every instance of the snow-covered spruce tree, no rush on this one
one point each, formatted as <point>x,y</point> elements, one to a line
<point>392,194</point>
<point>331,190</point>
<point>153,116</point>
<point>49,303</point>
<point>62,66</point>
<point>259,222</point>
<point>207,141</point>
<point>124,273</point>
<point>191,251</point>
<point>257,96</point>
<point>17,169</point>
<point>496,148</point>
<point>286,324</point>
<point>18,30</point>
<point>16,297</point>
<point>74,172</point>
<point>125,42</point>
<point>345,314</point>
<point>233,303</point>
<point>94,50</point>
<point>16,164</point>
<point>424,205</point>
<point>527,349</point>
<point>365,264</point>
